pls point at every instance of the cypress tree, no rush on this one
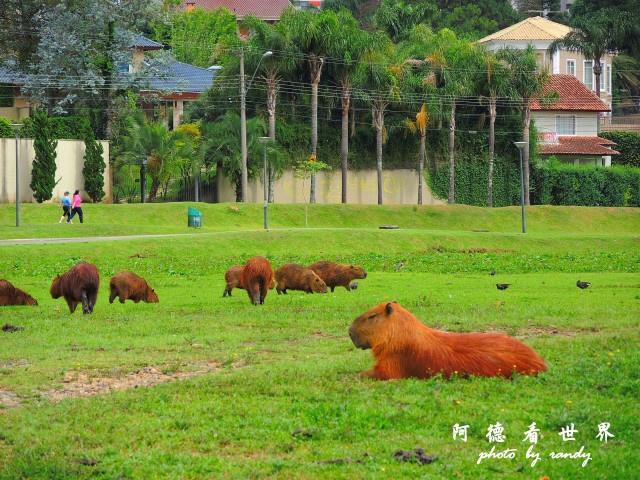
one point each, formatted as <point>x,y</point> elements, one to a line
<point>43,173</point>
<point>94,167</point>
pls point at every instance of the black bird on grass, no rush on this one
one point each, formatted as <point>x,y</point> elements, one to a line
<point>502,286</point>
<point>492,272</point>
<point>582,285</point>
<point>353,286</point>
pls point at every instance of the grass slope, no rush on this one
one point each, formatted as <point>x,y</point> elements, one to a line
<point>283,398</point>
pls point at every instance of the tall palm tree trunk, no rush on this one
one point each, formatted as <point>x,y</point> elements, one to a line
<point>344,146</point>
<point>271,108</point>
<point>526,122</point>
<point>316,71</point>
<point>492,144</point>
<point>452,139</point>
<point>378,120</point>
<point>421,157</point>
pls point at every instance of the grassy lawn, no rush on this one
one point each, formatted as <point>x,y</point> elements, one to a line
<point>201,386</point>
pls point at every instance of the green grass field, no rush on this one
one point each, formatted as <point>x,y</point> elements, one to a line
<point>200,386</point>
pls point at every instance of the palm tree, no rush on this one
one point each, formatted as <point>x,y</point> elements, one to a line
<point>593,36</point>
<point>420,125</point>
<point>527,82</point>
<point>492,84</point>
<point>378,83</point>
<point>346,47</point>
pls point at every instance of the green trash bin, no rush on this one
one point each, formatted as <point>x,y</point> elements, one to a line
<point>194,218</point>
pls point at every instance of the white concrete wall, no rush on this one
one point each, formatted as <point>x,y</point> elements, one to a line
<point>586,122</point>
<point>400,187</point>
<point>69,163</point>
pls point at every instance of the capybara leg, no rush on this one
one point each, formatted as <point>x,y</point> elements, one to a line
<point>255,296</point>
<point>92,298</point>
<point>72,305</point>
<point>226,292</point>
<point>121,298</point>
<point>332,289</point>
<point>112,296</point>
<point>85,303</point>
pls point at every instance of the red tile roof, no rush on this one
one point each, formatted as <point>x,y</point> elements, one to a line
<point>268,10</point>
<point>571,145</point>
<point>573,96</point>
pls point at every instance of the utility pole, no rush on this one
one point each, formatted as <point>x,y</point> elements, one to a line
<point>243,130</point>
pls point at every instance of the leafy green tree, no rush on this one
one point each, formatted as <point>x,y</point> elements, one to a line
<point>43,172</point>
<point>79,59</point>
<point>94,167</point>
<point>397,18</point>
<point>5,128</point>
<point>193,35</point>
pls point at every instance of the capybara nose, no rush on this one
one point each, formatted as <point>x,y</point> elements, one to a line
<point>365,274</point>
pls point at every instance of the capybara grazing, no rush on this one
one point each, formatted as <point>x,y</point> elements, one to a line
<point>78,285</point>
<point>256,278</point>
<point>404,347</point>
<point>233,277</point>
<point>129,286</point>
<point>336,275</point>
<point>11,295</point>
<point>296,277</point>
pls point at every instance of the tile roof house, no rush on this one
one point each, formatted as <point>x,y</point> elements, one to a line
<point>13,103</point>
<point>540,32</point>
<point>267,10</point>
<point>568,127</point>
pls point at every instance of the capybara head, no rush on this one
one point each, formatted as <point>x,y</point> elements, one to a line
<point>23,298</point>
<point>55,288</point>
<point>151,295</point>
<point>357,272</point>
<point>316,283</point>
<point>366,330</point>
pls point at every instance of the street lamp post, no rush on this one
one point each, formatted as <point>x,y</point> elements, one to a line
<point>243,120</point>
<point>143,181</point>
<point>16,130</point>
<point>520,146</point>
<point>264,141</point>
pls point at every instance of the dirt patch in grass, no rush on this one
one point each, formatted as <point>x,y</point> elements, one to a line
<point>81,384</point>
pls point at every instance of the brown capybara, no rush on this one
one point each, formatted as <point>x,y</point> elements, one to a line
<point>256,278</point>
<point>404,347</point>
<point>296,277</point>
<point>233,277</point>
<point>78,285</point>
<point>11,295</point>
<point>336,275</point>
<point>129,286</point>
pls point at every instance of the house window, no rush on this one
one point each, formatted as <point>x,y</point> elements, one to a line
<point>608,78</point>
<point>566,124</point>
<point>571,67</point>
<point>588,74</point>
<point>603,76</point>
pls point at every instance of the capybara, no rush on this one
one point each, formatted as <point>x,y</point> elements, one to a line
<point>256,278</point>
<point>12,295</point>
<point>233,277</point>
<point>296,277</point>
<point>78,285</point>
<point>404,347</point>
<point>336,275</point>
<point>129,286</point>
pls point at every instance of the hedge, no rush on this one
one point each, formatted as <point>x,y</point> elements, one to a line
<point>628,144</point>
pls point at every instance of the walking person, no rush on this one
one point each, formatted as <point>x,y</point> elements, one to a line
<point>76,207</point>
<point>66,207</point>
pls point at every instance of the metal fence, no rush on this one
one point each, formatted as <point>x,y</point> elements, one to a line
<point>127,188</point>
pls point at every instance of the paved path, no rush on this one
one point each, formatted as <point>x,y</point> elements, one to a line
<point>45,241</point>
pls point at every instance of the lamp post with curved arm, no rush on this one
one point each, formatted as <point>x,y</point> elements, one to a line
<point>16,130</point>
<point>520,146</point>
<point>243,120</point>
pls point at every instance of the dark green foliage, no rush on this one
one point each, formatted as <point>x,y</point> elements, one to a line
<point>556,183</point>
<point>44,165</point>
<point>628,144</point>
<point>6,95</point>
<point>69,127</point>
<point>5,128</point>
<point>94,166</point>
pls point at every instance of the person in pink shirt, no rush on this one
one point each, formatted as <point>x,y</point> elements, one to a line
<point>76,207</point>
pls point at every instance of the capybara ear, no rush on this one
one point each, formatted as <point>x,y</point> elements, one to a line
<point>389,307</point>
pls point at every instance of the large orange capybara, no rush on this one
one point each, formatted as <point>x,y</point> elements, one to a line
<point>336,275</point>
<point>233,278</point>
<point>129,286</point>
<point>404,347</point>
<point>257,277</point>
<point>78,285</point>
<point>296,277</point>
<point>12,295</point>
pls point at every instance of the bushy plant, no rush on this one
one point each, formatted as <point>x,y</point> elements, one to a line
<point>628,144</point>
<point>5,128</point>
<point>94,167</point>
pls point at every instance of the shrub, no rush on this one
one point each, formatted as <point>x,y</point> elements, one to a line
<point>5,128</point>
<point>628,144</point>
<point>44,165</point>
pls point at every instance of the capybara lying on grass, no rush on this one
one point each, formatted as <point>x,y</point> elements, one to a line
<point>296,277</point>
<point>12,295</point>
<point>233,277</point>
<point>78,285</point>
<point>335,274</point>
<point>404,347</point>
<point>130,286</point>
<point>256,278</point>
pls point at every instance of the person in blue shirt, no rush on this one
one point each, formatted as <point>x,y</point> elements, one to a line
<point>66,207</point>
